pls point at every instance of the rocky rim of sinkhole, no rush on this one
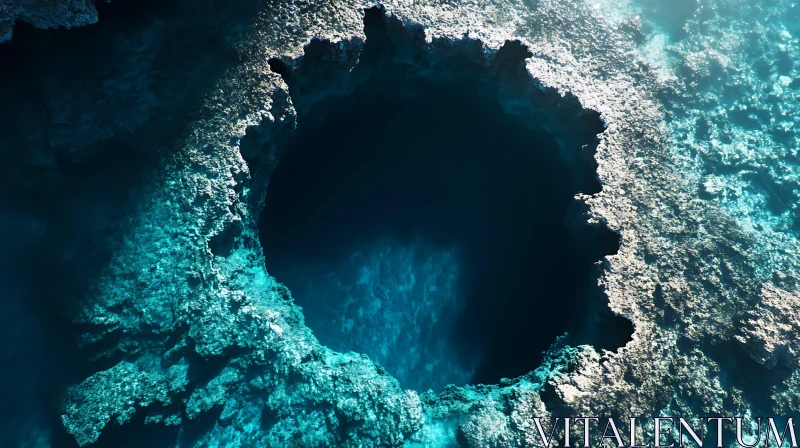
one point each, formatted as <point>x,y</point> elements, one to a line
<point>228,338</point>
<point>433,220</point>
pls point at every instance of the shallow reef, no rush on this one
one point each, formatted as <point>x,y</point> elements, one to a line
<point>195,258</point>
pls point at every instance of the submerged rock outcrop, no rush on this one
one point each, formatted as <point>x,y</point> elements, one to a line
<point>44,14</point>
<point>188,329</point>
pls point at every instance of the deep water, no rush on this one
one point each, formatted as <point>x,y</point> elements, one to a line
<point>404,164</point>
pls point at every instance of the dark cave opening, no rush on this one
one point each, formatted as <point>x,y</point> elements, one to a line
<point>417,222</point>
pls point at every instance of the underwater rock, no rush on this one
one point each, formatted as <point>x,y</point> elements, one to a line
<point>118,393</point>
<point>44,14</point>
<point>184,323</point>
<point>770,330</point>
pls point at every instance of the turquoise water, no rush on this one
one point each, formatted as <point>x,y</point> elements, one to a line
<point>731,82</point>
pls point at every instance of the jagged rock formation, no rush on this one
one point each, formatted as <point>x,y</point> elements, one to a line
<point>46,14</point>
<point>190,324</point>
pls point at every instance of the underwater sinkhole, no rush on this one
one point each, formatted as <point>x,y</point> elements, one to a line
<point>417,222</point>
